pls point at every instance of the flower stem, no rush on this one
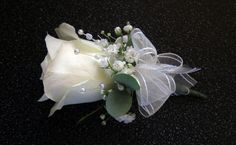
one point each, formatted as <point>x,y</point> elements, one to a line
<point>197,94</point>
<point>88,115</point>
<point>110,66</point>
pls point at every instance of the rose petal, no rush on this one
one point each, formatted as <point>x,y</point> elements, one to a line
<point>66,32</point>
<point>74,95</point>
<point>43,98</point>
<point>44,65</point>
<point>53,45</point>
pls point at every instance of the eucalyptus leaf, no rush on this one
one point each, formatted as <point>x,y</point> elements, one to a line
<point>129,81</point>
<point>118,103</point>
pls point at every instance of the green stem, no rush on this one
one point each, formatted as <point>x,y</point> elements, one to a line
<point>109,65</point>
<point>86,116</point>
<point>109,38</point>
<point>129,43</point>
<point>183,90</point>
<point>197,94</point>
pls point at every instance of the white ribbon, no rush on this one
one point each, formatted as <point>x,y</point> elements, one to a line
<point>158,74</point>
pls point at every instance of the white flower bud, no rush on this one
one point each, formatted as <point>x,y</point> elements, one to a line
<point>108,34</point>
<point>128,28</point>
<point>118,31</point>
<point>118,65</point>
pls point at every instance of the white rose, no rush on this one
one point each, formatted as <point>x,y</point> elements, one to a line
<point>71,74</point>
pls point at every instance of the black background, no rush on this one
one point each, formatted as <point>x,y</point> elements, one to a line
<point>202,32</point>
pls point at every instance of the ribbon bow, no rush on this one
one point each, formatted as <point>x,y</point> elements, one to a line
<point>158,74</point>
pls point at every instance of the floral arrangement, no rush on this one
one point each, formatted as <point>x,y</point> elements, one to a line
<point>112,69</point>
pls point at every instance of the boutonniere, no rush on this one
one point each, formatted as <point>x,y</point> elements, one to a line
<point>113,69</point>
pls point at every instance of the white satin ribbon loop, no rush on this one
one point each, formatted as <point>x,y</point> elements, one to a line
<point>155,89</point>
<point>158,74</point>
<point>147,52</point>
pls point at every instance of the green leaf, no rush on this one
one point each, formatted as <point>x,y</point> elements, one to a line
<point>118,103</point>
<point>129,81</point>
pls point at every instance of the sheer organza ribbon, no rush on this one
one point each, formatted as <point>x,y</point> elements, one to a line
<point>158,74</point>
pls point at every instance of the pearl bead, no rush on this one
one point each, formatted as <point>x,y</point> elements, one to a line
<point>102,86</point>
<point>81,32</point>
<point>83,90</point>
<point>76,51</point>
<point>120,87</point>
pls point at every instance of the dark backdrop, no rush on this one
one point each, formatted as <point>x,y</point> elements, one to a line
<point>202,32</point>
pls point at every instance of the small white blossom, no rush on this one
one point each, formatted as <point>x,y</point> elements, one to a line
<point>118,65</point>
<point>103,42</point>
<point>127,118</point>
<point>113,49</point>
<point>102,116</point>
<point>104,123</point>
<point>89,36</point>
<point>125,39</point>
<point>131,55</point>
<point>118,31</point>
<point>128,28</point>
<point>128,70</point>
